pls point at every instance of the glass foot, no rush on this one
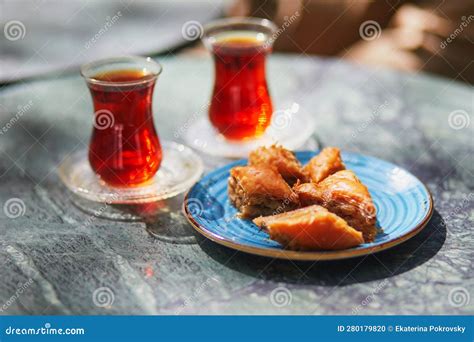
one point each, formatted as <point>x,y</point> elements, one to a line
<point>118,212</point>
<point>179,170</point>
<point>290,127</point>
<point>163,219</point>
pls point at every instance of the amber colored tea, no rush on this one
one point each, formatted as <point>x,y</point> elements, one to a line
<point>125,149</point>
<point>241,107</point>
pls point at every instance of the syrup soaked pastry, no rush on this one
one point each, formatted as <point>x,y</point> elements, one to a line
<point>310,228</point>
<point>280,159</point>
<point>327,162</point>
<point>257,191</point>
<point>343,194</point>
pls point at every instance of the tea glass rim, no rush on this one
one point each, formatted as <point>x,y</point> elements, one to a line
<point>222,25</point>
<point>139,63</point>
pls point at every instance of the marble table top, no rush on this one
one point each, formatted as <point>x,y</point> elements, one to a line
<point>47,36</point>
<point>53,263</point>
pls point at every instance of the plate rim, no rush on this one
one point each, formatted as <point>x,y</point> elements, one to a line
<point>313,255</point>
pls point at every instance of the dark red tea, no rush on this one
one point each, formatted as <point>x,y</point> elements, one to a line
<point>124,149</point>
<point>241,107</point>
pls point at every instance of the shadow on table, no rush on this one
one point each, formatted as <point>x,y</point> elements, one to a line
<point>163,219</point>
<point>170,225</point>
<point>397,260</point>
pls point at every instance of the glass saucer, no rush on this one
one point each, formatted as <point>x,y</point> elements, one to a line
<point>179,170</point>
<point>289,127</point>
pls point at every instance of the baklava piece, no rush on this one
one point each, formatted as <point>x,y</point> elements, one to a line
<point>344,195</point>
<point>280,159</point>
<point>327,162</point>
<point>257,191</point>
<point>310,228</point>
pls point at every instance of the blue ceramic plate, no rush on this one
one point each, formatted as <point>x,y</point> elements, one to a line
<point>404,206</point>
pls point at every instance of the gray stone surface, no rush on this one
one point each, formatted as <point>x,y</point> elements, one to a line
<point>56,259</point>
<point>53,36</point>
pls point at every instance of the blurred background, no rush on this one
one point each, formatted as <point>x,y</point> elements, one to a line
<point>415,36</point>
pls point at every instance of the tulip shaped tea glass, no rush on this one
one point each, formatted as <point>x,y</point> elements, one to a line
<point>241,107</point>
<point>124,149</point>
<point>241,111</point>
<point>125,162</point>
